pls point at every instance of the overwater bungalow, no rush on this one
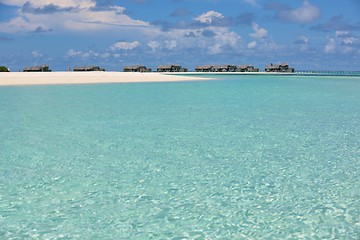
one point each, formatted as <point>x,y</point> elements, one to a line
<point>41,68</point>
<point>247,68</point>
<point>205,68</point>
<point>136,68</point>
<point>171,68</point>
<point>224,68</point>
<point>88,69</point>
<point>282,67</point>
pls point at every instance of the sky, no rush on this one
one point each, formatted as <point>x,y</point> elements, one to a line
<point>306,34</point>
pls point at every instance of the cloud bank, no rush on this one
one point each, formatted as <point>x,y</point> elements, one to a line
<point>307,13</point>
<point>67,15</point>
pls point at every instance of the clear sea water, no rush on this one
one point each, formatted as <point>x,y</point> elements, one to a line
<point>244,157</point>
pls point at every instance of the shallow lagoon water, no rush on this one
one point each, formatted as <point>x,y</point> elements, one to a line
<point>244,157</point>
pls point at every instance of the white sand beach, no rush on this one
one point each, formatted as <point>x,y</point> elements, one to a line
<point>44,78</point>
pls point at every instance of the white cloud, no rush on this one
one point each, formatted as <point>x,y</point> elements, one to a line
<point>302,43</point>
<point>330,46</point>
<point>209,17</point>
<point>347,49</point>
<point>346,38</point>
<point>304,39</point>
<point>252,2</point>
<point>153,45</point>
<point>89,54</point>
<point>125,45</point>
<point>343,42</point>
<point>258,31</point>
<point>72,53</point>
<point>341,33</point>
<point>105,55</point>
<point>36,54</point>
<point>252,44</point>
<point>305,14</point>
<point>170,44</point>
<point>60,3</point>
<point>209,39</point>
<point>83,18</point>
<point>268,45</point>
<point>350,40</point>
<point>229,38</point>
<point>222,40</point>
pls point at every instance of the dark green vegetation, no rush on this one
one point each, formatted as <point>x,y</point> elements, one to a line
<point>4,69</point>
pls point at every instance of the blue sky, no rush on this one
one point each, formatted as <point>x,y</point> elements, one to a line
<point>308,34</point>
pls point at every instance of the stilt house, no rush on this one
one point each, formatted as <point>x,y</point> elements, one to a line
<point>282,67</point>
<point>171,68</point>
<point>205,68</point>
<point>41,68</point>
<point>136,68</point>
<point>247,68</point>
<point>224,68</point>
<point>88,69</point>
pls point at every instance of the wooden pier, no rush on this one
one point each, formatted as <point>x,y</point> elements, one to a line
<point>327,72</point>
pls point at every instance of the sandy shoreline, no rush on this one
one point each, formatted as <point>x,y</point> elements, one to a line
<point>49,78</point>
<point>45,78</point>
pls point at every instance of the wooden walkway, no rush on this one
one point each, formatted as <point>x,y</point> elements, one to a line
<point>326,72</point>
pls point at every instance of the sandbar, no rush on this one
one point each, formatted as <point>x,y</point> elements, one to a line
<point>46,78</point>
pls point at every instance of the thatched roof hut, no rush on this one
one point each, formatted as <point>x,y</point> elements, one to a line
<point>282,67</point>
<point>88,69</point>
<point>247,68</point>
<point>41,68</point>
<point>224,68</point>
<point>205,68</point>
<point>171,68</point>
<point>136,68</point>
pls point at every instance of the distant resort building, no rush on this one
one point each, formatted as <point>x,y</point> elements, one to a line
<point>282,67</point>
<point>171,68</point>
<point>216,68</point>
<point>136,68</point>
<point>41,68</point>
<point>205,68</point>
<point>88,69</point>
<point>224,68</point>
<point>247,68</point>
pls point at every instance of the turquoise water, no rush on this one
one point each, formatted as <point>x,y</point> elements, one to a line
<point>245,157</point>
